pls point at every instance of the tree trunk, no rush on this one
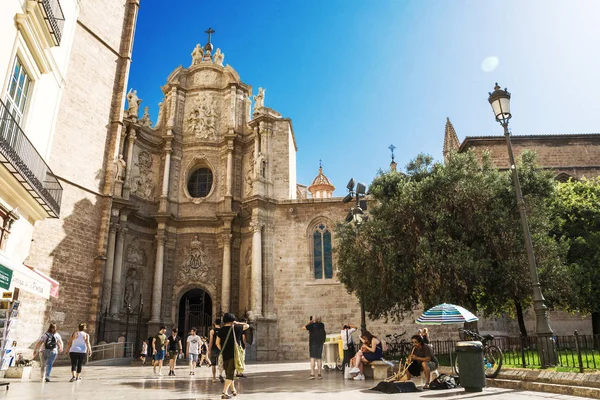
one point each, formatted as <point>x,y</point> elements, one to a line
<point>596,328</point>
<point>520,319</point>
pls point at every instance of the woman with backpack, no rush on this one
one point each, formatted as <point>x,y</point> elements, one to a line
<point>51,346</point>
<point>79,346</point>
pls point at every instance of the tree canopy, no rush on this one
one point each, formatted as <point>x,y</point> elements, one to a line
<point>450,233</point>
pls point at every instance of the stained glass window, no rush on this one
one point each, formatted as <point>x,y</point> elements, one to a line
<point>322,253</point>
<point>200,183</point>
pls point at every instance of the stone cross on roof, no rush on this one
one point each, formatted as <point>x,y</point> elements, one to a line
<point>209,47</point>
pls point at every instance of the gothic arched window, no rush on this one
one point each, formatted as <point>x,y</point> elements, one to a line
<point>322,252</point>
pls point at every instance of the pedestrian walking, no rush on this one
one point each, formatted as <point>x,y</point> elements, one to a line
<point>213,351</point>
<point>175,350</point>
<point>316,339</point>
<point>204,352</point>
<point>144,352</point>
<point>51,346</point>
<point>192,350</point>
<point>79,348</point>
<point>159,345</point>
<point>230,331</point>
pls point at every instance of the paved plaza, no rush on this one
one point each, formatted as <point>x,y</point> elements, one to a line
<point>264,381</point>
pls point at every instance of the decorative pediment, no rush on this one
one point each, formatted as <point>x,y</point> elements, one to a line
<point>196,265</point>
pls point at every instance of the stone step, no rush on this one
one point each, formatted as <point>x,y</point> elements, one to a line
<point>546,387</point>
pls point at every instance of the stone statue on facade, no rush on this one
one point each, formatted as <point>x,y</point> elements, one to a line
<point>197,54</point>
<point>219,57</point>
<point>133,102</point>
<point>160,114</point>
<point>260,98</point>
<point>131,285</point>
<point>145,120</point>
<point>121,167</point>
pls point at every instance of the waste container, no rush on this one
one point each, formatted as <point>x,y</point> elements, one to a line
<point>331,355</point>
<point>470,360</point>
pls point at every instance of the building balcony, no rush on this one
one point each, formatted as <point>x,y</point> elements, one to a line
<point>23,161</point>
<point>54,17</point>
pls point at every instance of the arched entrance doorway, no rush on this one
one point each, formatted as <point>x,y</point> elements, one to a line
<point>195,310</point>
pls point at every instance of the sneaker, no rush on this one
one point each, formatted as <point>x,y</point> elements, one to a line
<point>311,377</point>
<point>47,379</point>
<point>426,386</point>
<point>354,370</point>
<point>73,379</point>
<point>319,376</point>
<point>225,396</point>
<point>359,377</point>
<point>79,378</point>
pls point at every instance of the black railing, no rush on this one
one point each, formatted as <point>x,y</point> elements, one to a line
<point>21,158</point>
<point>574,352</point>
<point>55,19</point>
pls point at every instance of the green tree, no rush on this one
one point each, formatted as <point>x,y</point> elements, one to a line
<point>447,233</point>
<point>576,213</point>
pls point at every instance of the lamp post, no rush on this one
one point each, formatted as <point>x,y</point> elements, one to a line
<point>500,102</point>
<point>357,214</point>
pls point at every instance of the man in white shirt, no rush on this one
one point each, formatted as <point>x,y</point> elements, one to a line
<point>193,349</point>
<point>348,343</point>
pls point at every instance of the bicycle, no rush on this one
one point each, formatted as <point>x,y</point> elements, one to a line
<point>492,355</point>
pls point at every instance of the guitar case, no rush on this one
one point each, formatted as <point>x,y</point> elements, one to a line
<point>396,387</point>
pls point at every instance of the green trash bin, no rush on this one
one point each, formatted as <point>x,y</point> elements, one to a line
<point>470,366</point>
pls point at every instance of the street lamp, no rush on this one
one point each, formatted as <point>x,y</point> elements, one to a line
<point>500,102</point>
<point>357,214</point>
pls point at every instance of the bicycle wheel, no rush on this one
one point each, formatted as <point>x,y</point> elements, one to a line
<point>456,365</point>
<point>493,361</point>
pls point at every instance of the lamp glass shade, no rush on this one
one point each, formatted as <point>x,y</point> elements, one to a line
<point>500,102</point>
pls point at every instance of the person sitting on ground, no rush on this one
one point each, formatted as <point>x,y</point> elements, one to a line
<point>421,360</point>
<point>371,350</point>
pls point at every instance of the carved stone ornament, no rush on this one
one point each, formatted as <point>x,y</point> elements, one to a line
<point>203,119</point>
<point>136,254</point>
<point>195,266</point>
<point>142,184</point>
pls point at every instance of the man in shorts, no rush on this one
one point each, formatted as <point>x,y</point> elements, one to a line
<point>159,345</point>
<point>174,350</point>
<point>422,359</point>
<point>192,350</point>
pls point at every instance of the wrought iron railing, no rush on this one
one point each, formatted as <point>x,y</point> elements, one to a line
<point>55,19</point>
<point>574,352</point>
<point>21,158</point>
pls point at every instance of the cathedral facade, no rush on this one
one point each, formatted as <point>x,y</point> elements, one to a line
<point>207,216</point>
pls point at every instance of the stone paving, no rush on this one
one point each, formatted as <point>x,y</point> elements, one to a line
<point>264,381</point>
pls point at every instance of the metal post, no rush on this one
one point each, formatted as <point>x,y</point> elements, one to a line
<point>546,346</point>
<point>127,313</point>
<point>578,347</point>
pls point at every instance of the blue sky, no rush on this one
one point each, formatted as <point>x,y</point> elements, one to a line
<point>356,76</point>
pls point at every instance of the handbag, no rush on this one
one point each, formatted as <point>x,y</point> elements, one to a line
<point>239,356</point>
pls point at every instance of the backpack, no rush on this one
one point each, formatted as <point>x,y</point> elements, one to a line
<point>443,382</point>
<point>50,342</point>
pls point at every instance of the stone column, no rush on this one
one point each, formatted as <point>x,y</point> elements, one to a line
<point>158,276</point>
<point>108,273</point>
<point>233,108</point>
<point>226,276</point>
<point>166,173</point>
<point>129,167</point>
<point>229,168</point>
<point>256,294</point>
<point>116,292</point>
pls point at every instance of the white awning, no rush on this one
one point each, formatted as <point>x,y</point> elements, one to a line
<point>16,275</point>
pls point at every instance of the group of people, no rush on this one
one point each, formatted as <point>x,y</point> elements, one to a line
<point>198,349</point>
<point>420,360</point>
<point>50,345</point>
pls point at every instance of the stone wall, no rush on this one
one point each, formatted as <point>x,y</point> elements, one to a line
<point>576,155</point>
<point>67,248</point>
